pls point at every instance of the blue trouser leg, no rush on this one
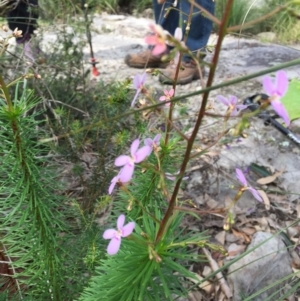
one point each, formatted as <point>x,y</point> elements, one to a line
<point>200,26</point>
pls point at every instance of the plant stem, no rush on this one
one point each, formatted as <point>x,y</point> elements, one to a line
<point>222,33</point>
<point>177,72</point>
<point>6,93</point>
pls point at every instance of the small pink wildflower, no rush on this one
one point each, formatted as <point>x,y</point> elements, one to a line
<point>116,235</point>
<point>138,84</point>
<point>232,104</point>
<point>167,96</point>
<point>276,91</point>
<point>153,144</point>
<point>113,183</point>
<point>137,156</point>
<point>157,39</point>
<point>241,177</point>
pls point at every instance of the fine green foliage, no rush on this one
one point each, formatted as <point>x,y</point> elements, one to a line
<point>30,219</point>
<point>285,23</point>
<point>240,12</point>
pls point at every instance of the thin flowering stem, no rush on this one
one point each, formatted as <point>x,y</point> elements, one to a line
<point>170,117</point>
<point>222,33</point>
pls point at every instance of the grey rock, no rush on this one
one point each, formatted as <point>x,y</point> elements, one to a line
<point>267,36</point>
<point>264,266</point>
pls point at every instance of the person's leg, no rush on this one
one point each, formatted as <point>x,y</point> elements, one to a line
<point>197,39</point>
<point>201,26</point>
<point>24,17</point>
<point>171,21</point>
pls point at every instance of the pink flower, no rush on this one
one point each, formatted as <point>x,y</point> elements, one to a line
<point>241,177</point>
<point>157,39</point>
<point>116,235</point>
<point>232,104</point>
<point>153,144</point>
<point>113,183</point>
<point>167,96</point>
<point>138,84</point>
<point>137,156</point>
<point>276,91</point>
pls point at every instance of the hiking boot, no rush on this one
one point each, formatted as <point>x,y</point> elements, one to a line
<point>145,59</point>
<point>187,73</point>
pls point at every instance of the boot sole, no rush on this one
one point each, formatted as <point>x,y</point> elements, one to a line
<point>145,65</point>
<point>180,81</point>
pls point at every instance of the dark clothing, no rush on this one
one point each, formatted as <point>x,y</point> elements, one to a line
<point>200,26</point>
<point>24,16</point>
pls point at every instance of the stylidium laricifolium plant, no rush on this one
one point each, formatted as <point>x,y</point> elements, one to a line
<point>148,258</point>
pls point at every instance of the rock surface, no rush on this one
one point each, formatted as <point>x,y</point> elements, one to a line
<point>263,266</point>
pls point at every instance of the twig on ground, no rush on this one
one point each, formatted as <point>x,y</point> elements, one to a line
<point>213,264</point>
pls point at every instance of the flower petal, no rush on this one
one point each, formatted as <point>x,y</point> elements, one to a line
<point>134,146</point>
<point>237,109</point>
<point>281,111</point>
<point>157,139</point>
<point>223,100</point>
<point>127,229</point>
<point>171,92</point>
<point>162,98</point>
<point>148,142</point>
<point>233,100</point>
<point>178,34</point>
<point>282,82</point>
<point>113,184</point>
<point>142,153</point>
<point>122,160</point>
<point>241,177</point>
<point>255,193</point>
<point>109,233</point>
<point>143,78</point>
<point>114,246</point>
<point>120,222</point>
<point>126,173</point>
<point>268,85</point>
<point>241,107</point>
<point>135,97</point>
<point>151,40</point>
<point>159,48</point>
<point>136,81</point>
